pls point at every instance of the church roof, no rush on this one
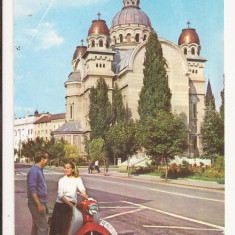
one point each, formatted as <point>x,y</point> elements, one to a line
<point>69,127</point>
<point>121,60</point>
<point>189,36</point>
<point>74,77</point>
<point>195,57</point>
<point>98,27</point>
<point>131,15</point>
<point>80,50</point>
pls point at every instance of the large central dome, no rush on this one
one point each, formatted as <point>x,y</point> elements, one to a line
<point>131,14</point>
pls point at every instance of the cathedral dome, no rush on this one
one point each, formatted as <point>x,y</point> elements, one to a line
<point>80,50</point>
<point>98,27</point>
<point>188,36</point>
<point>131,15</point>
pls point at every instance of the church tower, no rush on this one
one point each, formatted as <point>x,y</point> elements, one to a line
<point>189,44</point>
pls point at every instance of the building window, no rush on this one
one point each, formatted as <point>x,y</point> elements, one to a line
<point>101,44</point>
<point>115,40</point>
<point>103,65</point>
<point>121,38</point>
<point>71,112</point>
<point>185,51</point>
<point>145,37</point>
<point>97,65</point>
<point>194,110</point>
<point>137,37</point>
<point>195,143</point>
<point>100,65</point>
<point>128,37</point>
<point>107,44</point>
<point>193,51</point>
<point>93,43</point>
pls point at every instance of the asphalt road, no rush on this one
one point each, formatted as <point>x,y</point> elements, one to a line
<point>137,207</point>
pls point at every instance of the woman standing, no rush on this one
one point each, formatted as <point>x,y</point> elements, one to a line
<point>68,187</point>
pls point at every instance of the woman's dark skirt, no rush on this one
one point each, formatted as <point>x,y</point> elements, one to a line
<point>61,219</point>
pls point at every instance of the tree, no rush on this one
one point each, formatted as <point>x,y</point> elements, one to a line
<point>55,149</point>
<point>212,131</point>
<point>122,139</point>
<point>32,147</point>
<point>164,137</point>
<point>100,116</point>
<point>155,94</point>
<point>97,151</point>
<point>118,109</point>
<point>71,153</point>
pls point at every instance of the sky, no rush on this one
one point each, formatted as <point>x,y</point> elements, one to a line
<point>47,32</point>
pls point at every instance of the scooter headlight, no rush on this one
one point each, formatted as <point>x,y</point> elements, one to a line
<point>93,209</point>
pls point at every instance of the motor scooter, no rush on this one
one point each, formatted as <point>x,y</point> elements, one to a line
<point>91,226</point>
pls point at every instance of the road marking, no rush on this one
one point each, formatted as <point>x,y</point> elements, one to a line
<point>123,213</point>
<point>175,227</point>
<point>177,216</point>
<point>163,191</point>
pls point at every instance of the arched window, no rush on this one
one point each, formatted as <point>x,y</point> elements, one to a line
<point>101,44</point>
<point>193,51</point>
<point>107,44</point>
<point>97,65</point>
<point>93,43</point>
<point>137,37</point>
<point>145,37</point>
<point>115,40</point>
<point>103,65</point>
<point>121,38</point>
<point>128,36</point>
<point>185,51</point>
<point>100,65</point>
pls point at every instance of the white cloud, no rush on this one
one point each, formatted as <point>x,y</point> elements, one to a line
<point>49,39</point>
<point>45,37</point>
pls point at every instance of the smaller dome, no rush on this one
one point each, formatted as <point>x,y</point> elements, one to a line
<point>98,27</point>
<point>189,35</point>
<point>80,50</point>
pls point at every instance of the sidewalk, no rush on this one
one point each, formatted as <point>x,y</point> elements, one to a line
<point>182,182</point>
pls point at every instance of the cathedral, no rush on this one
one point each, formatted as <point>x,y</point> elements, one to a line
<point>117,54</point>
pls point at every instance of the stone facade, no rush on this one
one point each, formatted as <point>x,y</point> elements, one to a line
<point>117,54</point>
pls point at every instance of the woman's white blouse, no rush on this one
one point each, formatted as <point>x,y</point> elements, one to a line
<point>68,187</point>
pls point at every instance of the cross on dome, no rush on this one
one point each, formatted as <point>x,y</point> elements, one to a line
<point>82,41</point>
<point>188,23</point>
<point>99,15</point>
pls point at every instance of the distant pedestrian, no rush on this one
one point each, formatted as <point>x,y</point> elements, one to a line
<point>91,167</point>
<point>97,167</point>
<point>37,196</point>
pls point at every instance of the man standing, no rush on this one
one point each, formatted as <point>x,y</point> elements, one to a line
<point>37,196</point>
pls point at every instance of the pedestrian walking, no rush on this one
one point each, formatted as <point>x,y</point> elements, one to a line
<point>97,167</point>
<point>91,166</point>
<point>37,196</point>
